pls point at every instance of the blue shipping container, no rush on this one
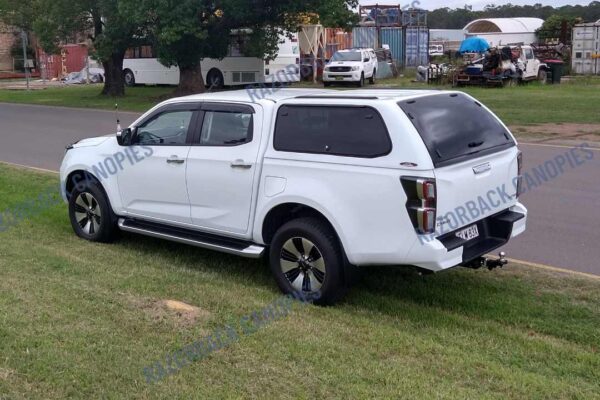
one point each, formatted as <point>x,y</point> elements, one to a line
<point>365,36</point>
<point>394,38</point>
<point>417,46</point>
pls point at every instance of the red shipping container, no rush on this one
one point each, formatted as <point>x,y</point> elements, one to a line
<point>72,58</point>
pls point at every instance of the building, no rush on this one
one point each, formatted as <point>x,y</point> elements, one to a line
<point>449,39</point>
<point>503,31</point>
<point>586,48</point>
<point>8,37</point>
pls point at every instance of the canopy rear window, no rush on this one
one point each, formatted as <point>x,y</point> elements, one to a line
<point>456,128</point>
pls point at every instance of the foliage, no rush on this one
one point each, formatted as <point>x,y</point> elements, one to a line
<point>446,18</point>
<point>553,26</point>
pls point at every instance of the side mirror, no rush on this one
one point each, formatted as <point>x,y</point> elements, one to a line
<point>366,59</point>
<point>125,136</point>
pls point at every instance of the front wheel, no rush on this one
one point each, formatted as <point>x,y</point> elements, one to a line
<point>306,260</point>
<point>542,76</point>
<point>373,78</point>
<point>90,213</point>
<point>361,82</point>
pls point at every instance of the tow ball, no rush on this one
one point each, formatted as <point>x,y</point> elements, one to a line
<point>490,264</point>
<point>501,261</point>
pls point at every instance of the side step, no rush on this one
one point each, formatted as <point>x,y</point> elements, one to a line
<point>193,238</point>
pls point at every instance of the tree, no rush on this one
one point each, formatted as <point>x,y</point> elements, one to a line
<point>557,27</point>
<point>105,23</point>
<point>186,31</point>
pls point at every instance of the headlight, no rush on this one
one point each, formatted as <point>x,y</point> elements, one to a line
<point>326,69</point>
<point>69,147</point>
<point>355,68</point>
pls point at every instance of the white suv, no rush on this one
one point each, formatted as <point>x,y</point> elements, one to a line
<point>352,65</point>
<point>319,181</point>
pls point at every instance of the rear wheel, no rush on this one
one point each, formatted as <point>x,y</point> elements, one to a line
<point>214,79</point>
<point>129,78</point>
<point>306,260</point>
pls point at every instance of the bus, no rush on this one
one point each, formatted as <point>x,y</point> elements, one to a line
<point>141,67</point>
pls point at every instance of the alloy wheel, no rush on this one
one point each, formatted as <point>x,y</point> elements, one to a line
<point>87,213</point>
<point>302,264</point>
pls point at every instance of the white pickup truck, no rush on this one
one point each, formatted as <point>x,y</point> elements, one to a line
<point>321,182</point>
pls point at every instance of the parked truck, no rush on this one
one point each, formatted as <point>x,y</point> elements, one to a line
<point>507,66</point>
<point>319,182</point>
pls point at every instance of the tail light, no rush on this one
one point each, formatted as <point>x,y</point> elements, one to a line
<point>297,61</point>
<point>421,202</point>
<point>520,174</point>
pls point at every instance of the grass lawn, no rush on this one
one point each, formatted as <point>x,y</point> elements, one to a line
<point>81,320</point>
<point>139,98</point>
<point>576,101</point>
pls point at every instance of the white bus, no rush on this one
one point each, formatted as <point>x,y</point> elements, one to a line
<point>141,67</point>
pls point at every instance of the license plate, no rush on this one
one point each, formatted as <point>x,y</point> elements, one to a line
<point>338,78</point>
<point>468,233</point>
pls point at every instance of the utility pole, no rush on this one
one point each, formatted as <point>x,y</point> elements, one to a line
<point>24,40</point>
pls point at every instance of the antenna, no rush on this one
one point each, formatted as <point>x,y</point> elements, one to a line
<point>117,117</point>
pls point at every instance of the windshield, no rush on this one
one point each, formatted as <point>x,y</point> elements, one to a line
<point>346,56</point>
<point>455,127</point>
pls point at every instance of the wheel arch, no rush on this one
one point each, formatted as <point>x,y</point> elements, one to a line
<point>78,175</point>
<point>284,212</point>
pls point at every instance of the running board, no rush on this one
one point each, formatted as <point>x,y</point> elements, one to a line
<point>194,238</point>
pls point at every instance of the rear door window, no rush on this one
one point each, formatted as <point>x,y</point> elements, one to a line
<point>455,127</point>
<point>352,131</point>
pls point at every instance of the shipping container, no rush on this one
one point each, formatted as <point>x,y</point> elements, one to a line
<point>336,39</point>
<point>365,37</point>
<point>394,38</point>
<point>416,17</point>
<point>416,46</point>
<point>72,58</point>
<point>586,49</point>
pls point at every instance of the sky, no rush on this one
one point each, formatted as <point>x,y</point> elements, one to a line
<point>477,4</point>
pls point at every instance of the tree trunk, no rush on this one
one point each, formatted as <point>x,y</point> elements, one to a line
<point>190,81</point>
<point>114,82</point>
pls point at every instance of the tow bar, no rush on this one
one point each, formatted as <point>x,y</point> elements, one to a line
<point>491,264</point>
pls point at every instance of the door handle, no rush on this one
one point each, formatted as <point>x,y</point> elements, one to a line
<point>241,164</point>
<point>175,160</point>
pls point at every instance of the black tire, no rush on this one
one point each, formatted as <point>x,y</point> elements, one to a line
<point>129,78</point>
<point>214,79</point>
<point>361,82</point>
<point>90,212</point>
<point>373,78</point>
<point>326,84</point>
<point>307,261</point>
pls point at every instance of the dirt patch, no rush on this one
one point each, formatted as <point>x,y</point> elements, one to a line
<point>558,133</point>
<point>6,373</point>
<point>172,311</point>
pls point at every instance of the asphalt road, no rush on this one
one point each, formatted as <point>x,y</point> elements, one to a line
<point>37,135</point>
<point>564,213</point>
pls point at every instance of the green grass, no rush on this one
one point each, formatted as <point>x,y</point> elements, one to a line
<point>79,320</point>
<point>137,99</point>
<point>577,101</point>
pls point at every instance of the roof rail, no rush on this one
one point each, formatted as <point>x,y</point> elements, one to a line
<point>329,96</point>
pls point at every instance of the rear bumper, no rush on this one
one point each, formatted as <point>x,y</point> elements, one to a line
<point>448,250</point>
